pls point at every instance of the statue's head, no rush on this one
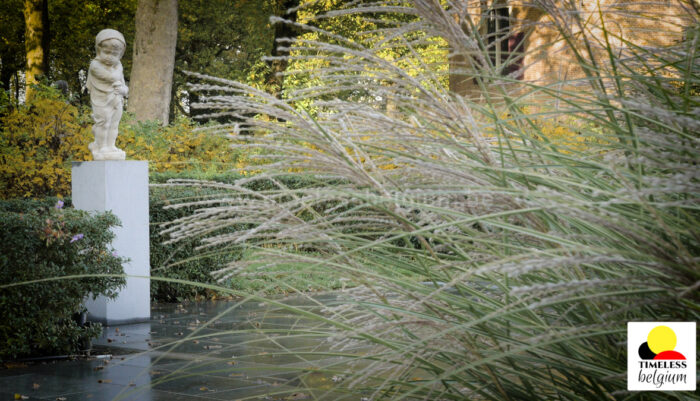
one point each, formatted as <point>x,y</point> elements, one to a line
<point>110,46</point>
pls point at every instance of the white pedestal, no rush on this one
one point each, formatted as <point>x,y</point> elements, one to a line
<point>122,188</point>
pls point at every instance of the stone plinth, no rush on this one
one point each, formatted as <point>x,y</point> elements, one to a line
<point>122,188</point>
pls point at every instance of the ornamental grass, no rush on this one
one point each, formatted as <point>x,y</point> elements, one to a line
<point>483,256</point>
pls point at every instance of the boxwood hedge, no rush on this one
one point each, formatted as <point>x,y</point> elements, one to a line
<point>46,240</point>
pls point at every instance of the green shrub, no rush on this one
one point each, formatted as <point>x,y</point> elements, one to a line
<point>39,239</point>
<point>162,177</point>
<point>291,181</point>
<point>182,260</point>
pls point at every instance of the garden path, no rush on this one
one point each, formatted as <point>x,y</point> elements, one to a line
<point>215,350</point>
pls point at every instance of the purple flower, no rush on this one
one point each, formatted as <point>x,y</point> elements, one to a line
<point>76,237</point>
<point>59,204</point>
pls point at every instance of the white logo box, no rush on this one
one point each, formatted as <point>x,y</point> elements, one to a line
<point>659,375</point>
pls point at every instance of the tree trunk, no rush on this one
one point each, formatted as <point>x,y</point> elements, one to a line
<point>17,86</point>
<point>154,60</point>
<point>6,78</point>
<point>277,66</point>
<point>36,41</point>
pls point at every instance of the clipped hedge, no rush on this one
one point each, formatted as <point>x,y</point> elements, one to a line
<point>39,239</point>
<point>181,260</point>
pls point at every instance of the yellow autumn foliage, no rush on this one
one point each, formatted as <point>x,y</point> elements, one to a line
<point>39,140</point>
<point>37,143</point>
<point>567,136</point>
<point>561,134</point>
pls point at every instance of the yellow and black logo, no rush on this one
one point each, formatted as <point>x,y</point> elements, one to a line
<point>661,356</point>
<point>660,345</point>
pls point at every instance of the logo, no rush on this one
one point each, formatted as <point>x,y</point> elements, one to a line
<point>661,356</point>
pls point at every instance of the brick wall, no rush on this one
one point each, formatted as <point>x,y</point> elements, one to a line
<point>548,57</point>
<point>543,56</point>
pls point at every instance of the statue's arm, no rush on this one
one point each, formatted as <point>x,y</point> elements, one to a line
<point>98,71</point>
<point>120,85</point>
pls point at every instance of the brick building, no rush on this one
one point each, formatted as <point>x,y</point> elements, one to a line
<point>525,39</point>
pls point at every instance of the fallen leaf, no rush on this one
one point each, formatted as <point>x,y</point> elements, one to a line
<point>61,398</point>
<point>297,396</point>
<point>35,386</point>
<point>203,389</point>
<point>15,365</point>
<point>195,341</point>
<point>116,330</point>
<point>104,381</point>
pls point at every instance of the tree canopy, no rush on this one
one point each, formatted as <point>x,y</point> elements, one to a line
<point>74,24</point>
<point>223,38</point>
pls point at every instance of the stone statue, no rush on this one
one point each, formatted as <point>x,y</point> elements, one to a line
<point>107,88</point>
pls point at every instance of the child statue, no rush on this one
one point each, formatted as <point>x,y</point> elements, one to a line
<point>107,88</point>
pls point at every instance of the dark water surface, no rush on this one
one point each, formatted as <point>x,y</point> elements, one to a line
<point>215,350</point>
